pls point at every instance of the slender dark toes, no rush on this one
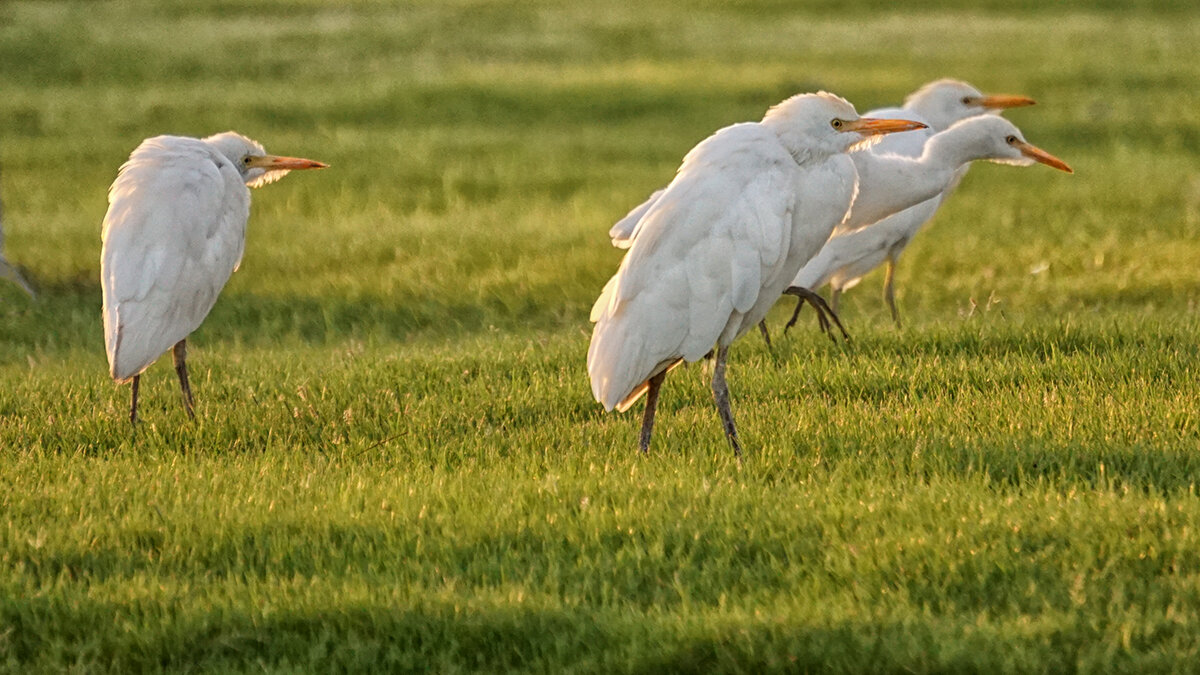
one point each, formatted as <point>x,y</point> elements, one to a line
<point>825,315</point>
<point>762,328</point>
<point>818,300</point>
<point>795,316</point>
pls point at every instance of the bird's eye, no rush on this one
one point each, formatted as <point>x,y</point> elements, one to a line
<point>1011,140</point>
<point>246,160</point>
<point>837,124</point>
<point>966,100</point>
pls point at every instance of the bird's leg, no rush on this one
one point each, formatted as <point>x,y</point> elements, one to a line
<point>795,313</point>
<point>824,313</point>
<point>889,289</point>
<point>806,296</point>
<point>133,403</point>
<point>823,323</point>
<point>835,294</point>
<point>827,314</point>
<point>179,353</point>
<point>721,396</point>
<point>648,416</point>
<point>762,328</point>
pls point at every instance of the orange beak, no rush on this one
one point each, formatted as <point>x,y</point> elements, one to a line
<point>1002,102</point>
<point>869,126</point>
<point>274,162</point>
<point>1038,155</point>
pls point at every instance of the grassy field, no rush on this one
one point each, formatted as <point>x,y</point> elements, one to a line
<point>397,464</point>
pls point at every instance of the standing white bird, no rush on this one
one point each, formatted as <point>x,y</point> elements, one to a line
<point>748,207</point>
<point>174,233</point>
<point>850,254</point>
<point>938,104</point>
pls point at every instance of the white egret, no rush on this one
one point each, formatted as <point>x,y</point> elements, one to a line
<point>748,207</point>
<point>174,233</point>
<point>885,180</point>
<point>938,104</point>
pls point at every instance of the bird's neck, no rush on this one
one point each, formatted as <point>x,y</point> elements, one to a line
<point>954,148</point>
<point>799,146</point>
<point>888,184</point>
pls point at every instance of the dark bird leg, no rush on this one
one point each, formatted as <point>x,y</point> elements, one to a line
<point>133,404</point>
<point>180,356</point>
<point>800,293</point>
<point>889,290</point>
<point>721,396</point>
<point>825,314</point>
<point>648,416</point>
<point>762,328</point>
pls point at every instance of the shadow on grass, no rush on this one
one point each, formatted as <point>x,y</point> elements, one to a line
<point>673,566</point>
<point>445,636</point>
<point>1011,463</point>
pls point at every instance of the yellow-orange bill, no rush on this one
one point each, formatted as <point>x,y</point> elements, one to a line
<point>1003,101</point>
<point>1038,155</point>
<point>871,126</point>
<point>274,162</point>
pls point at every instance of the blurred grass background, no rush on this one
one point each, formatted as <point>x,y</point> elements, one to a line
<point>397,463</point>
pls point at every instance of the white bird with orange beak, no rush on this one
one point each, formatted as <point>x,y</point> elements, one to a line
<point>749,206</point>
<point>174,233</point>
<point>938,105</point>
<point>849,255</point>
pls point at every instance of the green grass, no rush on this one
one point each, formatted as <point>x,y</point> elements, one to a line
<point>397,463</point>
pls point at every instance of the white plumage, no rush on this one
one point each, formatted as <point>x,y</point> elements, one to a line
<point>720,232</point>
<point>174,233</point>
<point>888,182</point>
<point>938,105</point>
<point>848,257</point>
<point>749,205</point>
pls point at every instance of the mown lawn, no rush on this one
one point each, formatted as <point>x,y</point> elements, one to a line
<point>397,463</point>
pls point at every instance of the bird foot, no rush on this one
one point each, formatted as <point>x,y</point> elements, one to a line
<point>826,317</point>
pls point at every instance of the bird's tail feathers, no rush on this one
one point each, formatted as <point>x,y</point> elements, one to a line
<point>619,364</point>
<point>641,389</point>
<point>603,302</point>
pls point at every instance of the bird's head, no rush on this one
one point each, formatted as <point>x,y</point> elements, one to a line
<point>944,102</point>
<point>252,161</point>
<point>998,140</point>
<point>813,126</point>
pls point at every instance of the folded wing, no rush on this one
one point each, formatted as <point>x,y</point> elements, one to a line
<point>173,234</point>
<point>698,262</point>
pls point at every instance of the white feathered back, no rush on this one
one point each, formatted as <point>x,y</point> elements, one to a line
<point>174,232</point>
